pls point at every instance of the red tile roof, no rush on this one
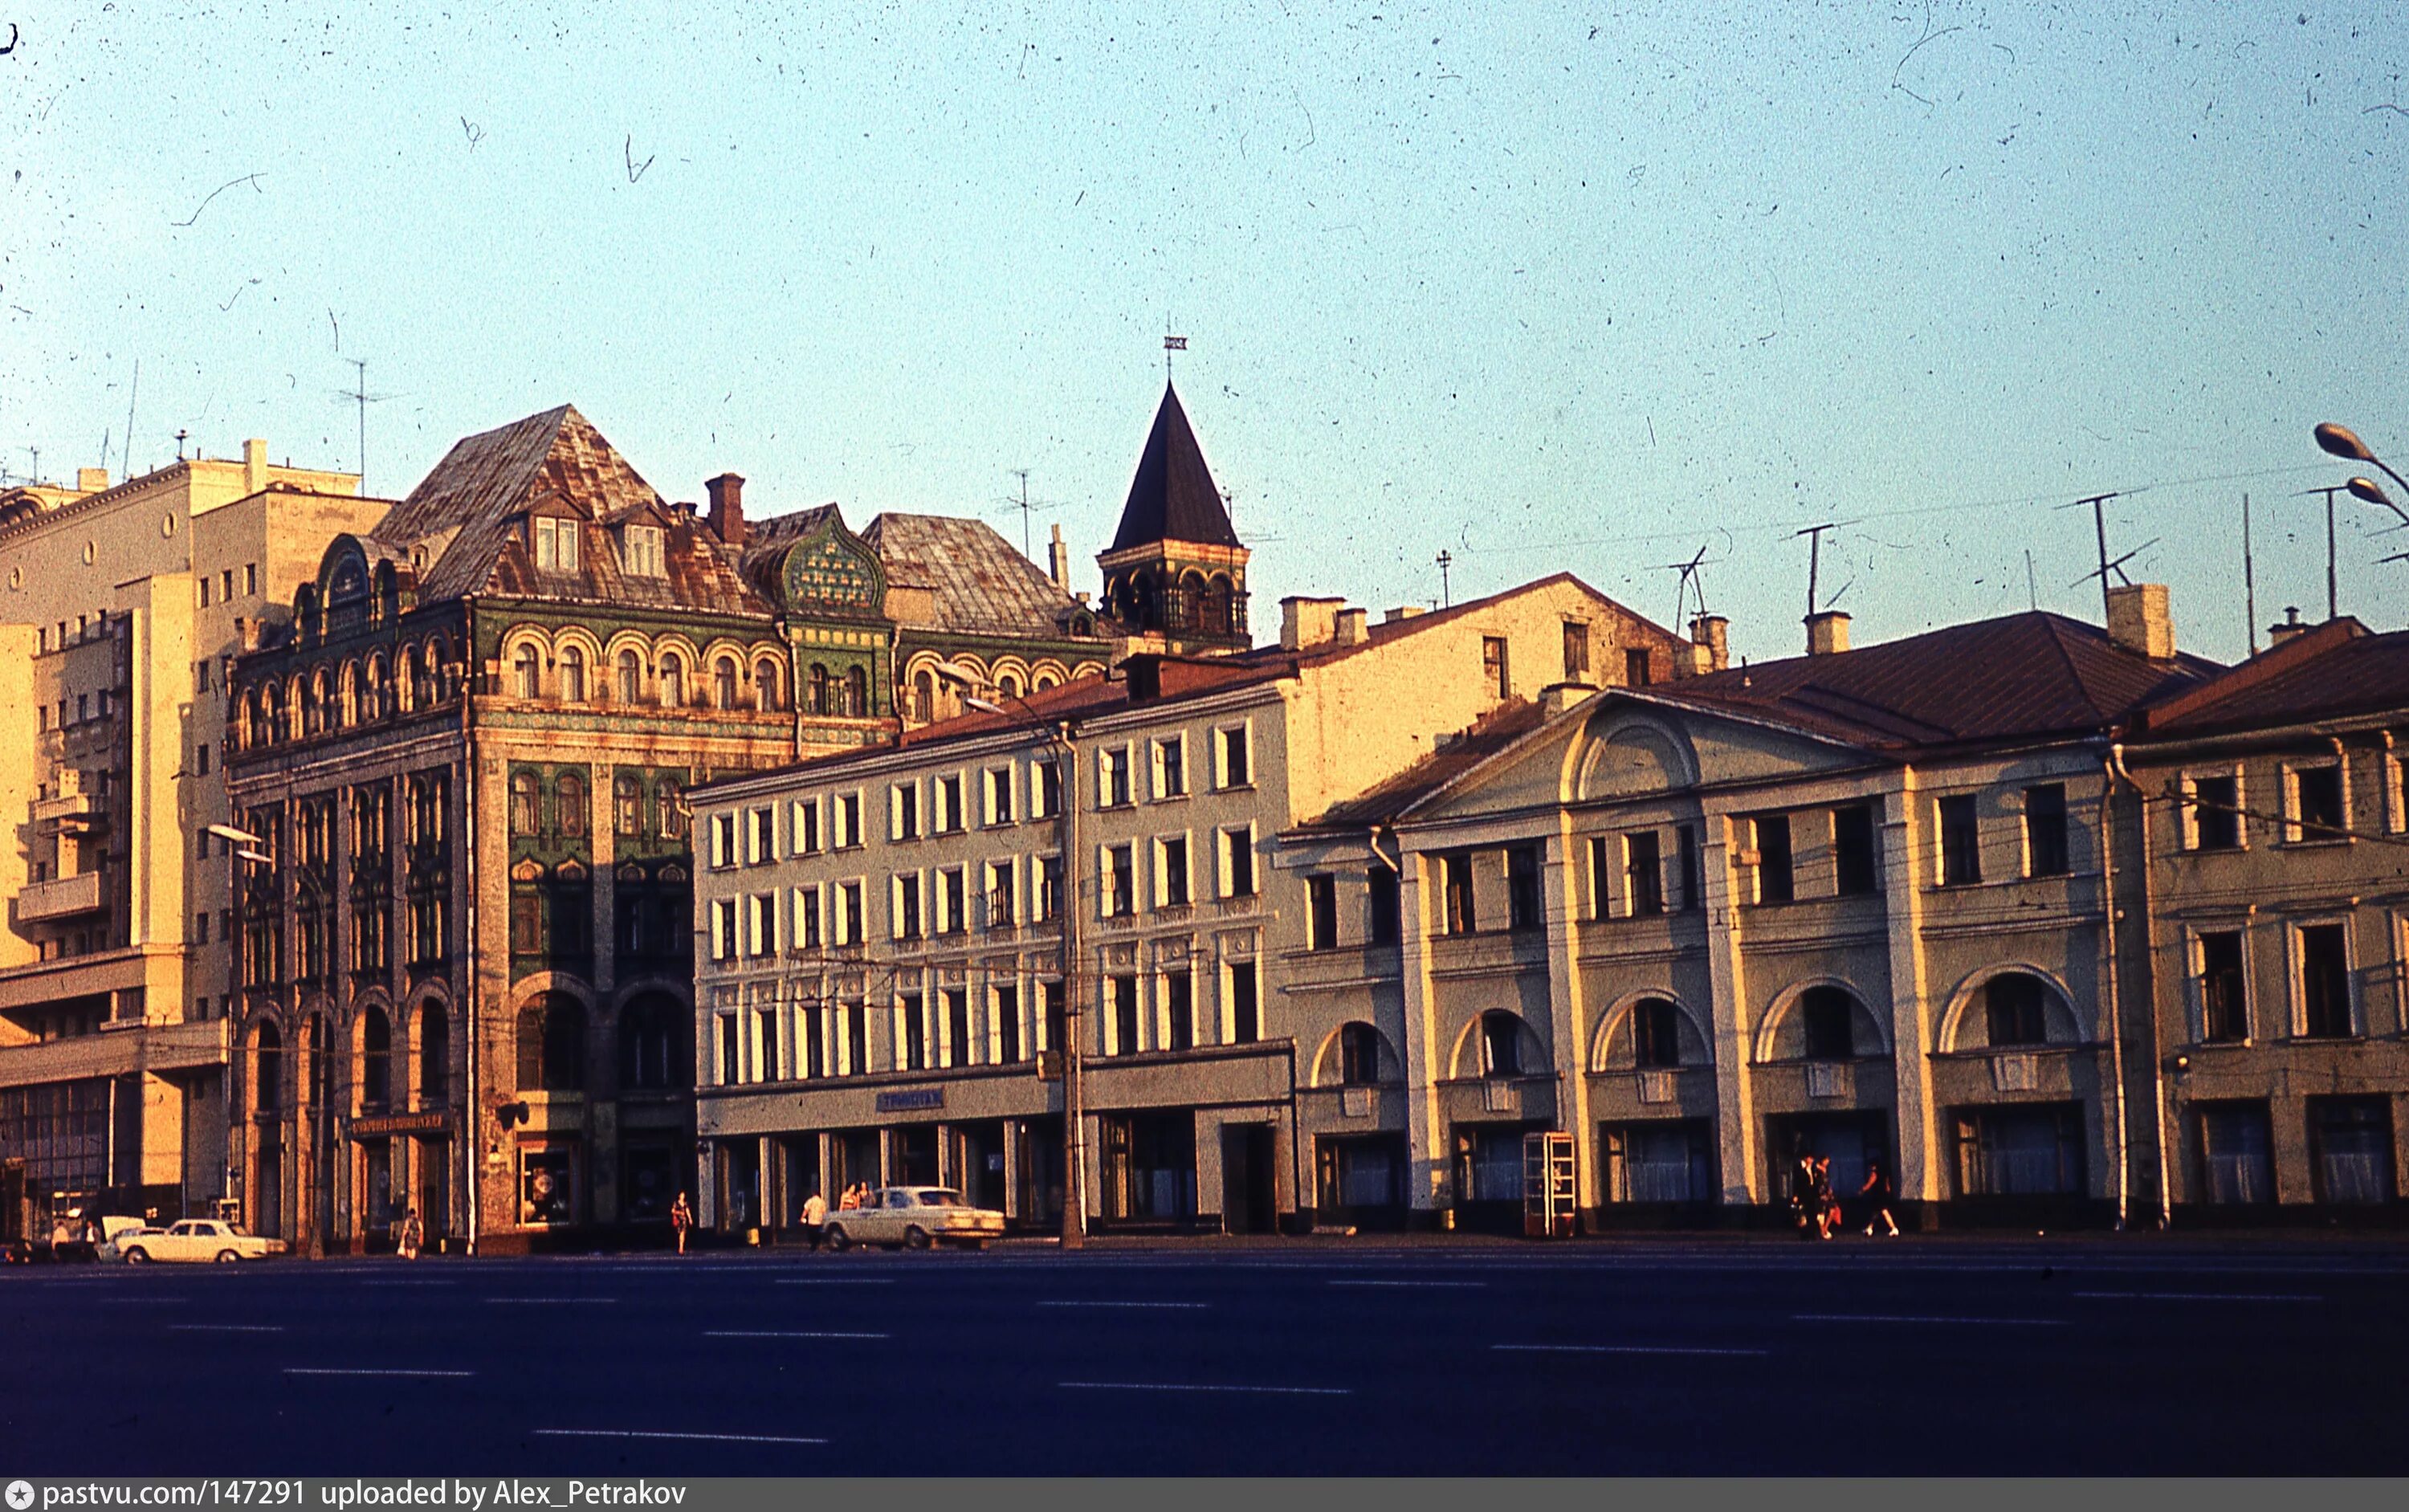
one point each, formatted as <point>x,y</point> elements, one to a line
<point>2334,672</point>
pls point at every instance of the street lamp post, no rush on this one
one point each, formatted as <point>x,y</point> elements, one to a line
<point>2342,442</point>
<point>1062,736</point>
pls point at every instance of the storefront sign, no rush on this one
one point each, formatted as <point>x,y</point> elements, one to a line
<point>384,1123</point>
<point>919,1098</point>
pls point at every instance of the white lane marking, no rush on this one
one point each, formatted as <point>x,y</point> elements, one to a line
<point>843,1281</point>
<point>635,1432</point>
<point>552,1302</point>
<point>784,1333</point>
<point>2202,1296</point>
<point>382,1374</point>
<point>226,1328</point>
<point>1189,1307</point>
<point>133,1302</point>
<point>1456,1284</point>
<point>1254,1390</point>
<point>1905,1317</point>
<point>1620,1349</point>
<point>411,1283</point>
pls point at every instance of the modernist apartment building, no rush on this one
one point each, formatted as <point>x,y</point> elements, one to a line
<point>463,747</point>
<point>120,609</point>
<point>2277,831</point>
<point>891,941</point>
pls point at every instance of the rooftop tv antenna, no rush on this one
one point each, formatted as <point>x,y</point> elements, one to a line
<point>2333,600</point>
<point>358,393</point>
<point>2249,580</point>
<point>2099,529</point>
<point>1446,559</point>
<point>1690,578</point>
<point>1814,533</point>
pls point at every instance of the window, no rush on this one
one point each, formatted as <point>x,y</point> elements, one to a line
<point>2325,982</point>
<point>953,902</point>
<point>1003,907</point>
<point>552,1045</point>
<point>568,795</point>
<point>1637,671</point>
<point>999,795</point>
<point>912,1033</point>
<point>1115,889</point>
<point>555,545</point>
<point>1171,766</point>
<point>1238,862</point>
<point>1322,912</point>
<point>723,929</point>
<point>723,683</point>
<point>2216,814</point>
<point>903,811</point>
<point>761,924</point>
<point>848,913</point>
<point>1523,887</point>
<point>251,577</point>
<point>1171,872</point>
<point>1462,916</point>
<point>631,677</point>
<point>2224,988</point>
<point>1048,778</point>
<point>1359,1054</point>
<point>1854,872</point>
<point>1180,1006</point>
<point>1643,873</point>
<point>1575,651</point>
<point>641,551</point>
<point>668,803</point>
<point>723,839</point>
<point>1655,1034</point>
<point>2015,1010</point>
<point>205,590</point>
<point>761,835</point>
<point>2351,1142</point>
<point>1246,1015</point>
<point>1049,887</point>
<point>947,793</point>
<point>2028,1151</point>
<point>526,807</point>
<point>957,1025</point>
<point>626,805</point>
<point>672,680</point>
<point>572,676</point>
<point>804,826</point>
<point>1113,777</point>
<point>1501,1043</point>
<point>1003,1011</point>
<point>1827,1022</point>
<point>1776,876</point>
<point>1232,756</point>
<point>1961,841</point>
<point>806,931</point>
<point>904,896</point>
<point>848,821</point>
<point>2046,839</point>
<point>1492,667</point>
<point>2317,803</point>
<point>434,1056</point>
<point>1694,883</point>
<point>1386,915</point>
<point>526,673</point>
<point>1124,992</point>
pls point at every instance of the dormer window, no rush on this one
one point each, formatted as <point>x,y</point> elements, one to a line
<point>640,551</point>
<point>555,545</point>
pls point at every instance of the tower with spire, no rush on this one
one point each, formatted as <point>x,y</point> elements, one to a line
<point>1176,575</point>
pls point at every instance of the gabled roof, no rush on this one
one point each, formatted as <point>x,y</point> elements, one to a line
<point>1173,495</point>
<point>981,585</point>
<point>2020,676</point>
<point>2335,671</point>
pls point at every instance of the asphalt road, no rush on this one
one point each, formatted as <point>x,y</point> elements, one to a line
<point>1589,1358</point>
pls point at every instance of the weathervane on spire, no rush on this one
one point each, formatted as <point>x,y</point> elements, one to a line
<point>1170,345</point>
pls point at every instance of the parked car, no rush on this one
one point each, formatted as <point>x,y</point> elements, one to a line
<point>190,1239</point>
<point>914,1217</point>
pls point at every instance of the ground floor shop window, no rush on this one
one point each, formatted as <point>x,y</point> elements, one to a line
<point>376,1188</point>
<point>431,1161</point>
<point>2024,1151</point>
<point>1039,1195</point>
<point>1489,1162</point>
<point>548,1185</point>
<point>647,1180</point>
<point>2350,1139</point>
<point>2236,1154</point>
<point>1149,1166</point>
<point>915,1155</point>
<point>1359,1171</point>
<point>976,1162</point>
<point>1853,1142</point>
<point>1668,1161</point>
<point>855,1161</point>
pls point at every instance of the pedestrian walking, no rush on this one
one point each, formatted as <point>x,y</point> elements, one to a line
<point>1827,1205</point>
<point>815,1217</point>
<point>1877,1195</point>
<point>680,1219</point>
<point>413,1235</point>
<point>1802,1192</point>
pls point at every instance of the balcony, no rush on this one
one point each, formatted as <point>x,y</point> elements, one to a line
<point>60,898</point>
<point>116,1051</point>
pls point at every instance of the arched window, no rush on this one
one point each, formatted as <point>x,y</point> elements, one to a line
<point>626,805</point>
<point>1827,1024</point>
<point>267,1074</point>
<point>723,683</point>
<point>2015,1007</point>
<point>655,1041</point>
<point>313,707</point>
<point>1009,684</point>
<point>376,1061</point>
<point>769,688</point>
<point>434,1056</point>
<point>552,1045</point>
<point>1655,1032</point>
<point>430,675</point>
<point>526,673</point>
<point>572,676</point>
<point>631,677</point>
<point>347,708</point>
<point>1359,1054</point>
<point>1501,1043</point>
<point>378,704</point>
<point>819,704</point>
<point>1215,614</point>
<point>1044,681</point>
<point>526,805</point>
<point>924,696</point>
<point>857,694</point>
<point>318,1067</point>
<point>666,797</point>
<point>672,680</point>
<point>569,794</point>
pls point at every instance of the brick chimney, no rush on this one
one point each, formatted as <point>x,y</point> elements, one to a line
<point>1827,633</point>
<point>2138,620</point>
<point>254,465</point>
<point>90,479</point>
<point>1354,626</point>
<point>2291,625</point>
<point>1057,562</point>
<point>728,508</point>
<point>1711,643</point>
<point>1305,622</point>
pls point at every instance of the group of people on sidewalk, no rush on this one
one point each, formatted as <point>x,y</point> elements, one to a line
<point>1816,1209</point>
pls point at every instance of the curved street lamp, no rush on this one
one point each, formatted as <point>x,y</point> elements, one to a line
<point>2342,442</point>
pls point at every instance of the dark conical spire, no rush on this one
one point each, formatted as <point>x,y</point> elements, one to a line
<point>1173,498</point>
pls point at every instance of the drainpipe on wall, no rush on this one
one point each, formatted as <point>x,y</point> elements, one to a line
<point>2157,1056</point>
<point>2116,1000</point>
<point>474,1141</point>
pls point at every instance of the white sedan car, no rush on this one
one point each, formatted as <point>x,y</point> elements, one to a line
<point>914,1217</point>
<point>194,1239</point>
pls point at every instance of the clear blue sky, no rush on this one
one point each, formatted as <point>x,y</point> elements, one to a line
<point>1562,287</point>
